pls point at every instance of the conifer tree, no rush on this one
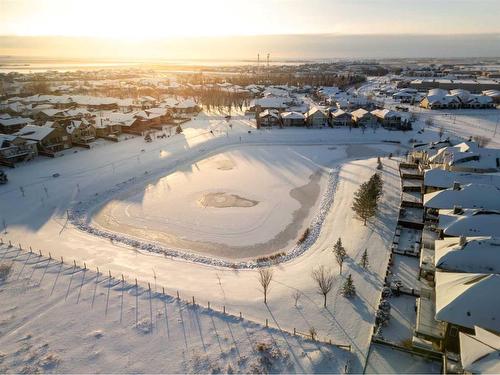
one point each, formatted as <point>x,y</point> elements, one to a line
<point>364,259</point>
<point>340,253</point>
<point>348,289</point>
<point>365,202</point>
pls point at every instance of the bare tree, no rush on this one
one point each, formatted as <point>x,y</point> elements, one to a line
<point>324,281</point>
<point>296,296</point>
<point>265,278</point>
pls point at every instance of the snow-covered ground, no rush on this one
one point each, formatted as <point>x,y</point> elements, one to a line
<point>387,360</point>
<point>40,219</point>
<point>56,318</point>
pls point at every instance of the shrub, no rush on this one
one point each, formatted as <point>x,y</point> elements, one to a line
<point>303,237</point>
<point>4,271</point>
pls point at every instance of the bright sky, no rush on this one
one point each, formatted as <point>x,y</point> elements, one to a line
<point>142,19</point>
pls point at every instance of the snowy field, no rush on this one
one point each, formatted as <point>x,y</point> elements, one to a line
<point>56,318</point>
<point>40,219</point>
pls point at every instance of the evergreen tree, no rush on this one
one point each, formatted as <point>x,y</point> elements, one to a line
<point>376,186</point>
<point>348,289</point>
<point>365,202</point>
<point>364,259</point>
<point>340,253</point>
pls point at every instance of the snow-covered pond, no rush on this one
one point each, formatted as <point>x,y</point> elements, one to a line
<point>238,204</point>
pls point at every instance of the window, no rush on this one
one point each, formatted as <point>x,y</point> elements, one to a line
<point>453,332</point>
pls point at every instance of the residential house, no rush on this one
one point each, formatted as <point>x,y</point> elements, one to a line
<point>465,300</point>
<point>480,352</point>
<point>49,139</point>
<point>81,132</point>
<point>340,118</point>
<point>268,118</point>
<point>362,117</point>
<point>13,124</point>
<point>293,119</point>
<point>458,222</point>
<point>315,117</point>
<point>389,119</point>
<point>15,149</point>
<point>440,179</point>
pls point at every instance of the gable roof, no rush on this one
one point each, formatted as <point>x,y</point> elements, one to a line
<point>470,223</point>
<point>466,196</point>
<point>476,255</point>
<point>480,353</point>
<point>465,299</point>
<point>34,133</point>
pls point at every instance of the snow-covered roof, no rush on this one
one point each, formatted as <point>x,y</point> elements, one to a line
<point>293,115</point>
<point>466,299</point>
<point>479,99</point>
<point>15,121</point>
<point>271,102</point>
<point>269,113</point>
<point>476,255</point>
<point>313,111</point>
<point>480,353</point>
<point>385,113</point>
<point>35,133</point>
<point>470,222</point>
<point>359,113</point>
<point>466,196</point>
<point>188,103</point>
<point>339,113</point>
<point>444,179</point>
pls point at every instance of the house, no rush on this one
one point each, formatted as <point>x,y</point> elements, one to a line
<point>278,103</point>
<point>81,132</point>
<point>186,106</point>
<point>466,196</point>
<point>465,300</point>
<point>13,124</point>
<point>316,117</point>
<point>49,139</point>
<point>105,128</point>
<point>340,118</point>
<point>467,157</point>
<point>268,118</point>
<point>440,179</point>
<point>292,119</point>
<point>362,117</point>
<point>440,99</point>
<point>468,255</point>
<point>389,119</point>
<point>469,222</point>
<point>15,149</point>
<point>480,352</point>
<point>479,102</point>
<point>404,96</point>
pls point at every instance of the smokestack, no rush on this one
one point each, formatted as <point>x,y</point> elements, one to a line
<point>457,210</point>
<point>456,185</point>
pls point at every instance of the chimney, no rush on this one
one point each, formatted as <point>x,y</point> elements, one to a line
<point>462,240</point>
<point>456,185</point>
<point>457,210</point>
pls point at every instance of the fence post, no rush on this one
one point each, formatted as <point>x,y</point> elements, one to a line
<point>178,295</point>
<point>163,290</point>
<point>74,263</point>
<point>62,260</point>
<point>84,265</point>
<point>294,331</point>
<point>209,305</point>
<point>193,300</point>
<point>224,309</point>
<point>31,250</point>
<point>267,323</point>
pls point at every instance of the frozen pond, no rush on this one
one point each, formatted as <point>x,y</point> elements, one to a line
<point>237,204</point>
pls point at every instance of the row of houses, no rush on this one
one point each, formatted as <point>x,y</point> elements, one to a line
<point>334,117</point>
<point>459,255</point>
<point>54,130</point>
<point>454,99</point>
